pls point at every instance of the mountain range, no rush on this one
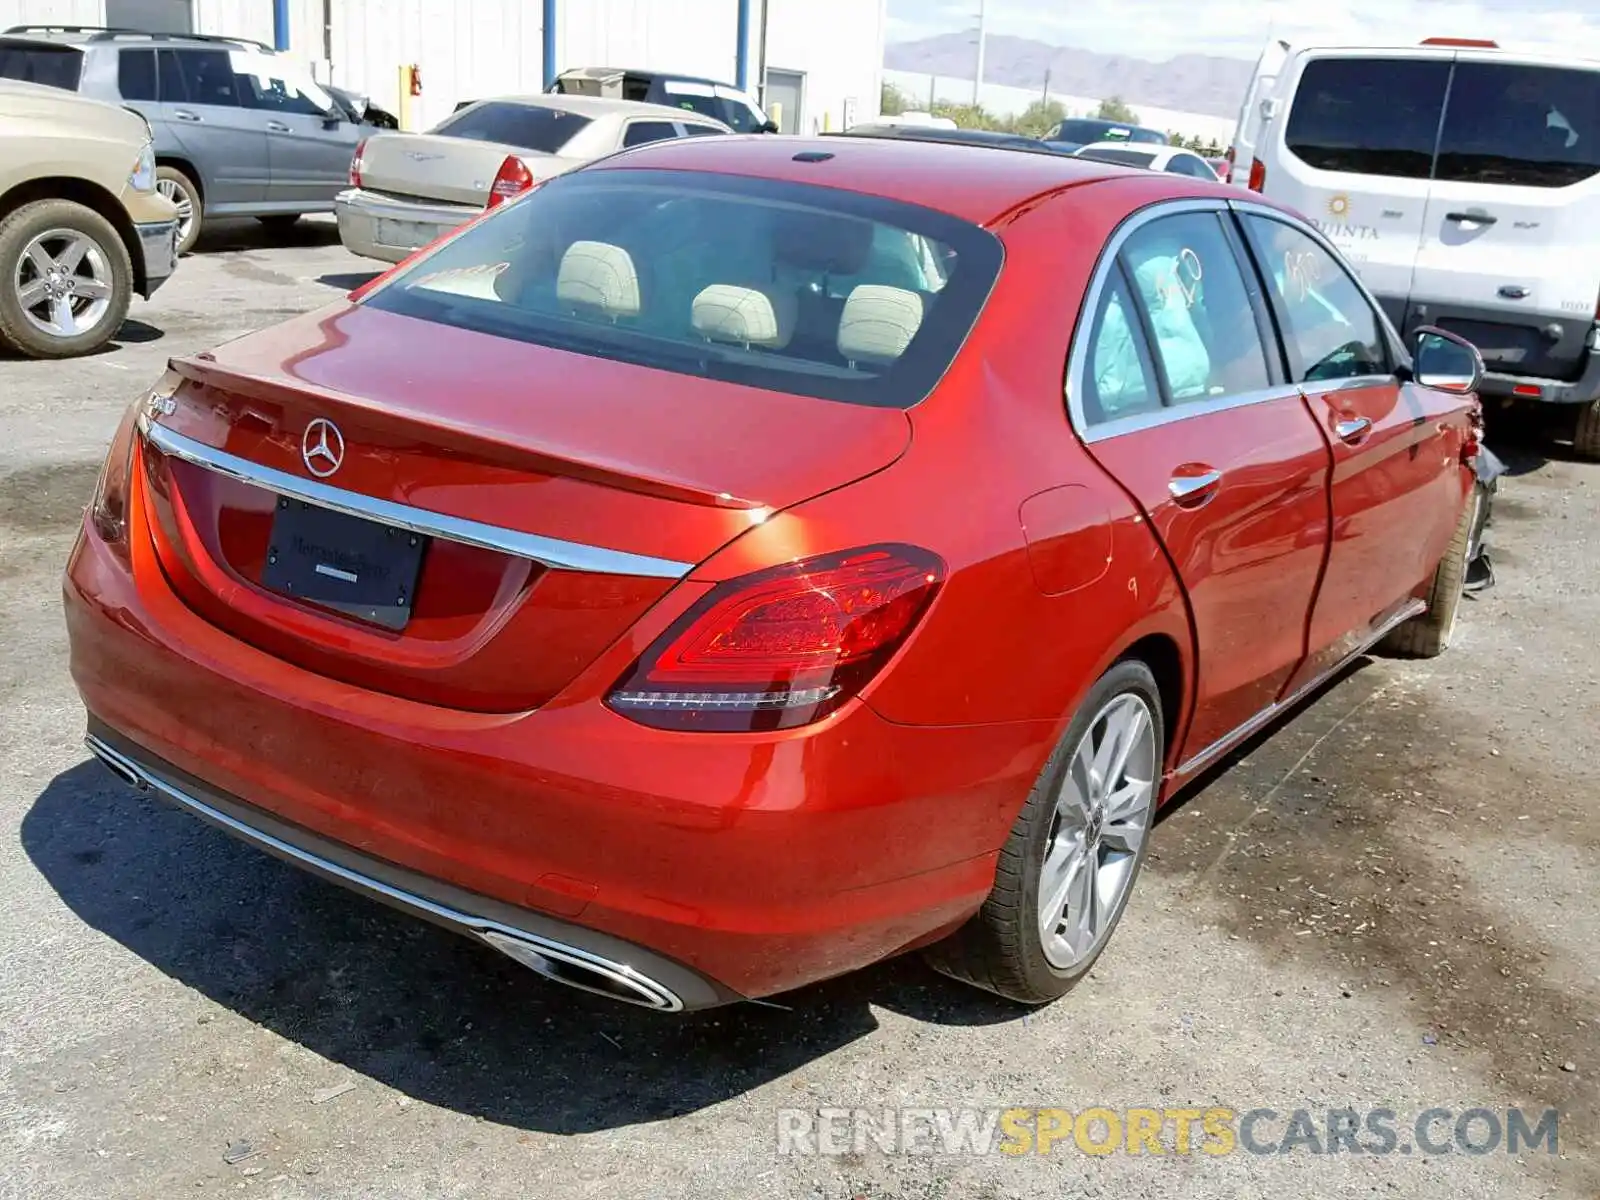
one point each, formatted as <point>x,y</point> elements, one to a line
<point>1196,83</point>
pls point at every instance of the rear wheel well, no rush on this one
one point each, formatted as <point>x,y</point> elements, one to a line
<point>90,195</point>
<point>187,167</point>
<point>1160,653</point>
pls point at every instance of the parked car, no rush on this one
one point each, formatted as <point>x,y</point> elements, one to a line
<point>1220,167</point>
<point>408,189</point>
<point>723,102</point>
<point>940,133</point>
<point>1174,160</point>
<point>1463,181</point>
<point>240,131</point>
<point>686,580</point>
<point>82,228</point>
<point>1068,135</point>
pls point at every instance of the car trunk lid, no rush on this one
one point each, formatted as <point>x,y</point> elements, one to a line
<point>525,505</point>
<point>448,169</point>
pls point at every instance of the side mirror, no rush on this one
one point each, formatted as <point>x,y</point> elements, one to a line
<point>334,120</point>
<point>1446,362</point>
<point>770,127</point>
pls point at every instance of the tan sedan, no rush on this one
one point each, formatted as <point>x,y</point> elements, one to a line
<point>409,189</point>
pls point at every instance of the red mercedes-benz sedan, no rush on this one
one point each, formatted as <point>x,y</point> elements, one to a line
<point>746,558</point>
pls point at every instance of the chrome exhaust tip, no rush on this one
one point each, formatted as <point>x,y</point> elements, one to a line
<point>586,972</point>
<point>119,766</point>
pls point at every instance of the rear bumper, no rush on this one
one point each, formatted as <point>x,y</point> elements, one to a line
<point>389,229</point>
<point>720,865</point>
<point>158,249</point>
<point>1584,390</point>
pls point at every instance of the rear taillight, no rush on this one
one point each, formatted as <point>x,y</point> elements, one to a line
<point>513,179</point>
<point>1230,156</point>
<point>1258,175</point>
<point>108,510</point>
<point>356,165</point>
<point>784,646</point>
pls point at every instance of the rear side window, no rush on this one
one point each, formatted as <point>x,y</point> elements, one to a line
<point>1526,126</point>
<point>1332,331</point>
<point>526,126</point>
<point>1193,293</point>
<point>641,132</point>
<point>782,286</point>
<point>136,75</point>
<point>1370,116</point>
<point>52,66</point>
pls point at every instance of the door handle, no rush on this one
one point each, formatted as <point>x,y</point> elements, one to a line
<point>1352,429</point>
<point>1192,490</point>
<point>183,114</point>
<point>1475,218</point>
<point>277,127</point>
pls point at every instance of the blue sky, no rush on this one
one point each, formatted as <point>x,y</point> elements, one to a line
<point>1159,29</point>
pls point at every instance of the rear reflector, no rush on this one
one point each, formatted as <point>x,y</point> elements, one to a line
<point>1258,175</point>
<point>513,179</point>
<point>781,647</point>
<point>1527,389</point>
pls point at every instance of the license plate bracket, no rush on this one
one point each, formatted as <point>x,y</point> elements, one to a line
<point>361,568</point>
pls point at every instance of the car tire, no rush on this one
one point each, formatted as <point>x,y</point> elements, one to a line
<point>176,186</point>
<point>1586,438</point>
<point>1428,635</point>
<point>56,229</point>
<point>279,224</point>
<point>1004,948</point>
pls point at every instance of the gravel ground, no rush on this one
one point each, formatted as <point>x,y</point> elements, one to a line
<point>1386,903</point>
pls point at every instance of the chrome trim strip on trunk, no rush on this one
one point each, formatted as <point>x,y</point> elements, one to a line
<point>551,552</point>
<point>1267,715</point>
<point>541,955</point>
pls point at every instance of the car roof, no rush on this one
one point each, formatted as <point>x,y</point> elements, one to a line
<point>602,106</point>
<point>647,73</point>
<point>940,133</point>
<point>80,36</point>
<point>975,183</point>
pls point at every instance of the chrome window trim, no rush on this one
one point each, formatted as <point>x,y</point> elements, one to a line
<point>550,552</point>
<point>1082,338</point>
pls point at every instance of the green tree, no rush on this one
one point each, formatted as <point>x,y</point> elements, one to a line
<point>892,102</point>
<point>966,116</point>
<point>1039,118</point>
<point>1113,108</point>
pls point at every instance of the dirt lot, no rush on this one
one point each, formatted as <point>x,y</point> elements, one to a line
<point>1388,903</point>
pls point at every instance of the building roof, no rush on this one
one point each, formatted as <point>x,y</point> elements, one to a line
<point>975,183</point>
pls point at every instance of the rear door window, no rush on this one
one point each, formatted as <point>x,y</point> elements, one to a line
<point>526,126</point>
<point>781,286</point>
<point>1201,319</point>
<point>1331,330</point>
<point>169,73</point>
<point>31,62</point>
<point>208,77</point>
<point>1524,126</point>
<point>136,74</point>
<point>1369,116</point>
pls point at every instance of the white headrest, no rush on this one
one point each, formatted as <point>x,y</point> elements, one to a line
<point>743,315</point>
<point>599,279</point>
<point>878,323</point>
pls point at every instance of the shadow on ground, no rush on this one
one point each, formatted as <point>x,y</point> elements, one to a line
<point>231,234</point>
<point>347,281</point>
<point>428,1012</point>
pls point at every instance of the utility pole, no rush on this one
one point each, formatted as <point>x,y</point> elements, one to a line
<point>933,88</point>
<point>983,33</point>
<point>1045,99</point>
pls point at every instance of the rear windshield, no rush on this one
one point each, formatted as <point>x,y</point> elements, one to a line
<point>526,126</point>
<point>1526,126</point>
<point>53,66</point>
<point>1085,131</point>
<point>788,287</point>
<point>1371,116</point>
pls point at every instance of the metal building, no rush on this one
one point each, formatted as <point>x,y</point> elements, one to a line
<point>823,58</point>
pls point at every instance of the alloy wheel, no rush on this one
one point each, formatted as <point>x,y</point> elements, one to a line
<point>1102,816</point>
<point>179,195</point>
<point>63,282</point>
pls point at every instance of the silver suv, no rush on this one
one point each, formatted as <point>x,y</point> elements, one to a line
<point>239,130</point>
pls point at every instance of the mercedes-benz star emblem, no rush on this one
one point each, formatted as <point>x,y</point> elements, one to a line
<point>322,446</point>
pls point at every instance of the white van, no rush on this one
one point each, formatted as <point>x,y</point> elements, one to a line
<point>1463,182</point>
